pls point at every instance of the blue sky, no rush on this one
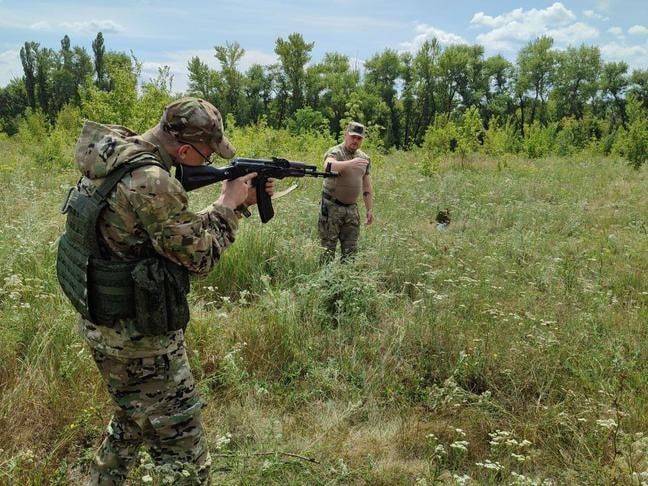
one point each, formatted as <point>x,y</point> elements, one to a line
<point>170,33</point>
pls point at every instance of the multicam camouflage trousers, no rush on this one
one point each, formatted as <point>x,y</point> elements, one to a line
<point>338,222</point>
<point>158,406</point>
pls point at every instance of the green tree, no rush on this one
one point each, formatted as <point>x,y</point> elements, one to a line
<point>639,86</point>
<point>461,73</point>
<point>116,105</point>
<point>13,103</point>
<point>294,54</point>
<point>576,80</point>
<point>425,86</point>
<point>45,65</point>
<point>407,97</point>
<point>614,83</point>
<point>499,75</point>
<point>258,91</point>
<point>229,56</point>
<point>632,143</point>
<point>382,71</point>
<point>536,65</point>
<point>28,59</point>
<point>63,82</point>
<point>280,95</point>
<point>338,81</point>
<point>204,82</point>
<point>307,120</point>
<point>99,64</point>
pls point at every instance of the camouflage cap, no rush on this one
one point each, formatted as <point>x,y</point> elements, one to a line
<point>355,128</point>
<point>196,120</point>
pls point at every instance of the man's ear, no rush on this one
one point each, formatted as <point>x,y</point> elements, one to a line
<point>182,151</point>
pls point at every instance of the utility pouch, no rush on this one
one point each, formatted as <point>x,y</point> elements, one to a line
<point>160,289</point>
<point>102,290</point>
<point>324,210</point>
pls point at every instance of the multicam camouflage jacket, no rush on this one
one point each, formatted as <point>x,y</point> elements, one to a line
<point>147,214</point>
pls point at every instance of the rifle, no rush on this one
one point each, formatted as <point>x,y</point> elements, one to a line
<point>193,177</point>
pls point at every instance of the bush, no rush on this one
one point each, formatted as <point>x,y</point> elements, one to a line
<point>307,120</point>
<point>500,140</point>
<point>539,140</point>
<point>470,132</point>
<point>574,135</point>
<point>441,137</point>
<point>342,295</point>
<point>33,128</point>
<point>632,142</point>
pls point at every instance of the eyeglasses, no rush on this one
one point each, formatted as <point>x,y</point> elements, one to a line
<point>208,160</point>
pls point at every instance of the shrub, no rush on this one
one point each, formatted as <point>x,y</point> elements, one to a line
<point>33,128</point>
<point>632,142</point>
<point>470,132</point>
<point>441,137</point>
<point>307,120</point>
<point>342,295</point>
<point>500,140</point>
<point>539,140</point>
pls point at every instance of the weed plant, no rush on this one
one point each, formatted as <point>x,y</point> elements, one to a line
<point>509,347</point>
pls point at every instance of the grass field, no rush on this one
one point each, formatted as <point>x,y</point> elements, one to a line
<point>509,348</point>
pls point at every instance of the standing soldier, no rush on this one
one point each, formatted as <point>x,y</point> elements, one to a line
<point>339,218</point>
<point>124,261</point>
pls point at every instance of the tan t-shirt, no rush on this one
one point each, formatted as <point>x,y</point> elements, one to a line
<point>346,187</point>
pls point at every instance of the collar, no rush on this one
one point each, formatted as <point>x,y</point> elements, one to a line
<point>348,152</point>
<point>164,155</point>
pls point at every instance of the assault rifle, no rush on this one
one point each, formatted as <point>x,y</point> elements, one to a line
<point>193,177</point>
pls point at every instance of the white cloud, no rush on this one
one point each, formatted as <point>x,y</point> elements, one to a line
<point>591,14</point>
<point>635,55</point>
<point>93,26</point>
<point>42,25</point>
<point>638,30</point>
<point>178,60</point>
<point>10,66</point>
<point>556,14</point>
<point>510,30</point>
<point>426,32</point>
<point>618,31</point>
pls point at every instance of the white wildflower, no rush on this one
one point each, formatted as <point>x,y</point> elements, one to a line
<point>519,457</point>
<point>609,424</point>
<point>487,464</point>
<point>461,480</point>
<point>461,445</point>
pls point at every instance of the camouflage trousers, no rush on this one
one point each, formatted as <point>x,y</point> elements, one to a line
<point>159,407</point>
<point>337,222</point>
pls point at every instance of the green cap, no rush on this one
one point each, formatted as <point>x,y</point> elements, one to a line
<point>355,128</point>
<point>196,120</point>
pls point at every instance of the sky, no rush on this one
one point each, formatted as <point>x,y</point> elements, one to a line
<point>169,33</point>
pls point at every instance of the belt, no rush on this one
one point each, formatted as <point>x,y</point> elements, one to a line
<point>328,197</point>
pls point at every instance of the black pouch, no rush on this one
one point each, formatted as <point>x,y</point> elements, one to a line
<point>324,209</point>
<point>161,289</point>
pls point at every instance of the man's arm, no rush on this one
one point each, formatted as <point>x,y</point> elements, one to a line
<point>333,165</point>
<point>194,240</point>
<point>367,196</point>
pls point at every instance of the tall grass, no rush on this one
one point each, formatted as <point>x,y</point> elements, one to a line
<point>509,347</point>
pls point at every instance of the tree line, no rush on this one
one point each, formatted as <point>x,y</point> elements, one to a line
<point>399,95</point>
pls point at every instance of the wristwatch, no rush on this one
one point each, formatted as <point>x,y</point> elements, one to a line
<point>242,210</point>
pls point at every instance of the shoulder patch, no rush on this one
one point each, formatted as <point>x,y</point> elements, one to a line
<point>152,179</point>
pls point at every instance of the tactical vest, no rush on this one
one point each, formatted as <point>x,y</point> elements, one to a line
<point>153,291</point>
